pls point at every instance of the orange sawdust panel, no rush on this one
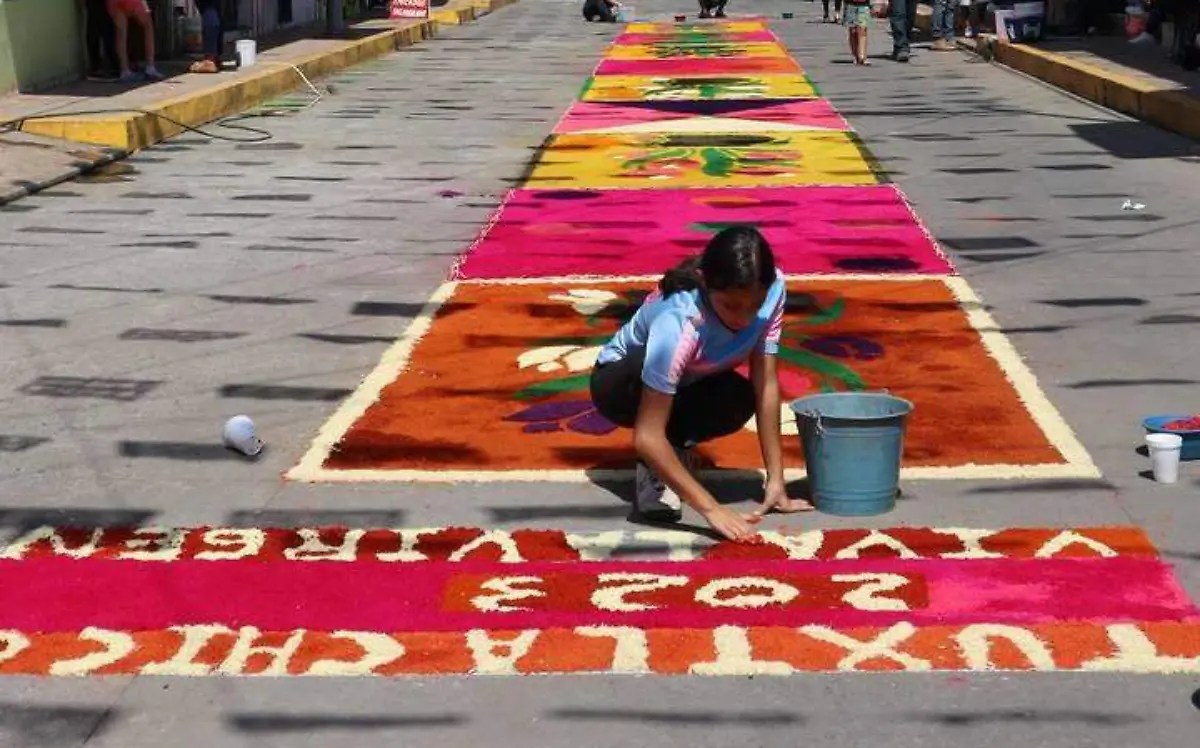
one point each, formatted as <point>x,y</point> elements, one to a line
<point>675,651</point>
<point>500,381</point>
<point>567,651</point>
<point>432,653</point>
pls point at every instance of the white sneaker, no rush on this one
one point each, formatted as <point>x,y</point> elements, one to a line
<point>654,499</point>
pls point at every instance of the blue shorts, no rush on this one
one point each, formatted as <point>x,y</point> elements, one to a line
<point>856,16</point>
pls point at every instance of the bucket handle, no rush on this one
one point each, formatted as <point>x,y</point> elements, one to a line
<point>819,427</point>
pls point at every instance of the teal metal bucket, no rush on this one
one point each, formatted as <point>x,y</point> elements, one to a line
<point>853,442</point>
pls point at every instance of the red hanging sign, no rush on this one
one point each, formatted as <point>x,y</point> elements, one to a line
<point>409,9</point>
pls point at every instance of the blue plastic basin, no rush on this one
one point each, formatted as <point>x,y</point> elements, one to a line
<point>1191,439</point>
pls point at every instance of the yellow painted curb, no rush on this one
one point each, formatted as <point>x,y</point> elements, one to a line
<point>457,13</point>
<point>1169,108</point>
<point>131,132</point>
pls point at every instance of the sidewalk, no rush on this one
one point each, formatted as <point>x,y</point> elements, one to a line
<point>1130,79</point>
<point>47,150</point>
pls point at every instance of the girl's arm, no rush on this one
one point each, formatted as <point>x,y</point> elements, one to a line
<point>764,374</point>
<point>650,441</point>
<point>767,408</point>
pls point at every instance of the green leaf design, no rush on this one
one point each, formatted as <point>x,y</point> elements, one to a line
<point>831,314</point>
<point>825,368</point>
<point>712,227</point>
<point>717,163</point>
<point>579,340</point>
<point>577,383</point>
<point>662,155</point>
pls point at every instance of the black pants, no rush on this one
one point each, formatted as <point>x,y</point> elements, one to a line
<point>713,6</point>
<point>703,410</point>
<point>101,36</point>
<point>837,6</point>
<point>598,10</point>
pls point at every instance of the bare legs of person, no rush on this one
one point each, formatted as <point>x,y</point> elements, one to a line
<point>858,45</point>
<point>122,11</point>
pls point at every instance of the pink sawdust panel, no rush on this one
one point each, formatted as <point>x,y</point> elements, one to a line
<point>796,113</point>
<point>388,597</point>
<point>700,68</point>
<point>551,233</point>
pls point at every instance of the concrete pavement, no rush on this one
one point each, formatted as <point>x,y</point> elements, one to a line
<point>200,279</point>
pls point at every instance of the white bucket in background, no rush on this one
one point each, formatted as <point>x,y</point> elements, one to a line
<point>1164,456</point>
<point>247,51</point>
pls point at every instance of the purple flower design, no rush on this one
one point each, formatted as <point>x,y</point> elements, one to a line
<point>579,416</point>
<point>844,346</point>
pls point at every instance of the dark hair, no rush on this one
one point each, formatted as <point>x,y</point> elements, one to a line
<point>737,257</point>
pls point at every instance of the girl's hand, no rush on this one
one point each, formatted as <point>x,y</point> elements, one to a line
<point>776,498</point>
<point>730,524</point>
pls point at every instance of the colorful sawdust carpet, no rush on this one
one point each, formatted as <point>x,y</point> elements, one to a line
<point>499,384</point>
<point>338,602</point>
<point>491,383</point>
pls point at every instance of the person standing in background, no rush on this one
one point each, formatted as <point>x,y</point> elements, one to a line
<point>943,25</point>
<point>903,18</point>
<point>122,11</point>
<point>604,11</point>
<point>837,10</point>
<point>712,8</point>
<point>858,21</point>
<point>211,31</point>
<point>966,16</point>
<point>100,36</point>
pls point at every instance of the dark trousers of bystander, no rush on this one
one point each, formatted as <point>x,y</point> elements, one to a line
<point>211,27</point>
<point>903,18</point>
<point>100,34</point>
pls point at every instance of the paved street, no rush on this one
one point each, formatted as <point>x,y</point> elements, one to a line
<point>144,304</point>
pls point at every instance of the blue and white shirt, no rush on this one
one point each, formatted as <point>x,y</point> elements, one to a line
<point>684,339</point>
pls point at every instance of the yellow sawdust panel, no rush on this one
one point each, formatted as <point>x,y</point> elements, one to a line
<point>728,87</point>
<point>682,160</point>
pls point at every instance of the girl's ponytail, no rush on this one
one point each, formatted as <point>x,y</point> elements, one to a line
<point>682,277</point>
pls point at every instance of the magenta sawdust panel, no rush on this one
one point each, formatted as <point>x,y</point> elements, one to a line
<point>551,233</point>
<point>674,37</point>
<point>685,67</point>
<point>751,114</point>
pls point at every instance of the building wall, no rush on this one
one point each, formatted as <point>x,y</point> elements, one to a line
<point>262,16</point>
<point>41,44</point>
<point>8,75</point>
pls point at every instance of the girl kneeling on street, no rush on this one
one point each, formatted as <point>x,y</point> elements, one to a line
<point>669,375</point>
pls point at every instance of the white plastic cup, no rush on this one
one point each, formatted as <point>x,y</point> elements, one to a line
<point>239,433</point>
<point>1164,456</point>
<point>247,51</point>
